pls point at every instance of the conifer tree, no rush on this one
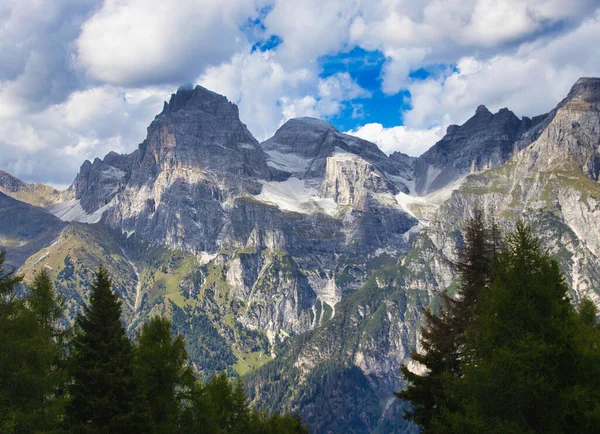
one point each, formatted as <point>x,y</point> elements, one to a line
<point>530,363</point>
<point>104,395</point>
<point>29,374</point>
<point>443,334</point>
<point>164,374</point>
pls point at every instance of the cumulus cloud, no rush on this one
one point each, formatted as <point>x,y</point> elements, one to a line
<point>36,68</point>
<point>49,146</point>
<point>136,42</point>
<point>531,81</point>
<point>402,139</point>
<point>268,93</point>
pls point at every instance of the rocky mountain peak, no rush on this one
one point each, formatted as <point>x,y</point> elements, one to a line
<point>586,89</point>
<point>571,140</point>
<point>482,111</point>
<point>11,183</point>
<point>485,140</point>
<point>200,99</point>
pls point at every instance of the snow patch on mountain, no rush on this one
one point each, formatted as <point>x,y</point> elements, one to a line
<point>294,195</point>
<point>288,162</point>
<point>72,211</point>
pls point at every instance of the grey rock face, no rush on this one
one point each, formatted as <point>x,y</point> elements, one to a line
<point>302,146</point>
<point>10,183</point>
<point>25,229</point>
<point>99,182</point>
<point>485,141</point>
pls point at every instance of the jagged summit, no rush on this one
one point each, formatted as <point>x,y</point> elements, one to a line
<point>485,140</point>
<point>308,122</point>
<point>199,99</point>
<point>10,183</point>
<point>301,146</point>
<point>482,111</point>
<point>586,89</point>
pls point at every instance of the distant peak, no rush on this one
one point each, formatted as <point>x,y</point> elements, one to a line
<point>482,110</point>
<point>452,129</point>
<point>586,89</point>
<point>310,122</point>
<point>188,95</point>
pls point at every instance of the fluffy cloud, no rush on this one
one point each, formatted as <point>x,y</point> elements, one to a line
<point>406,140</point>
<point>36,67</point>
<point>268,93</point>
<point>49,146</point>
<point>142,41</point>
<point>531,81</point>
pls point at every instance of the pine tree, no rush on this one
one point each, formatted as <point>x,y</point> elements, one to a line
<point>220,403</point>
<point>240,409</point>
<point>443,334</point>
<point>104,396</point>
<point>30,377</point>
<point>45,303</point>
<point>530,363</point>
<point>163,372</point>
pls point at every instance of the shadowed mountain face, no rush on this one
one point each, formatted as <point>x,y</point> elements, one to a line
<point>485,141</point>
<point>25,229</point>
<point>305,261</point>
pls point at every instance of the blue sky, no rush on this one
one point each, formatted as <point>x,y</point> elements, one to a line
<point>365,67</point>
<point>80,78</point>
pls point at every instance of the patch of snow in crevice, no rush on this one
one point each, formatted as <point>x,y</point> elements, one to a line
<point>71,211</point>
<point>432,174</point>
<point>40,259</point>
<point>415,230</point>
<point>294,195</point>
<point>205,257</point>
<point>138,286</point>
<point>405,200</point>
<point>342,155</point>
<point>288,162</point>
<point>58,238</point>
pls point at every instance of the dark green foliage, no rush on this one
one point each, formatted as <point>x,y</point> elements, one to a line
<point>220,407</point>
<point>166,380</point>
<point>531,364</point>
<point>104,396</point>
<point>443,334</point>
<point>205,345</point>
<point>587,311</point>
<point>30,378</point>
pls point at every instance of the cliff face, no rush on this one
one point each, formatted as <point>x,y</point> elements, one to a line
<point>483,142</point>
<point>313,252</point>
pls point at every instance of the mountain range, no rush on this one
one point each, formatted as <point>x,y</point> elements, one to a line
<point>304,262</point>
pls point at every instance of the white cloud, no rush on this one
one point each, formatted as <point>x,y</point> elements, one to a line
<point>143,41</point>
<point>268,93</point>
<point>49,146</point>
<point>406,140</point>
<point>529,82</point>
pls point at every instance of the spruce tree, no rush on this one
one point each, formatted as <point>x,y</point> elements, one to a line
<point>164,374</point>
<point>530,363</point>
<point>30,377</point>
<point>104,397</point>
<point>443,334</point>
